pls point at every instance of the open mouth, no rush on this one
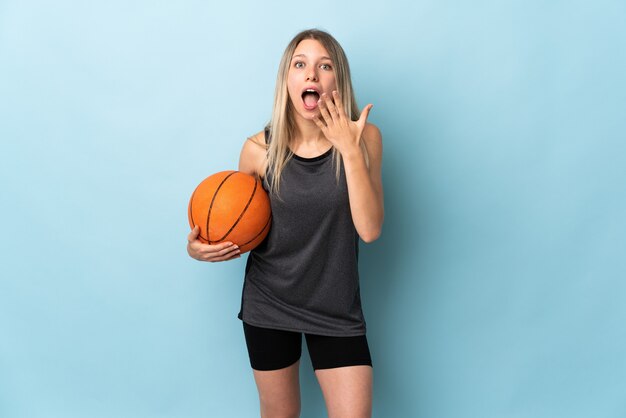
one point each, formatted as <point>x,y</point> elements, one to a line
<point>310,98</point>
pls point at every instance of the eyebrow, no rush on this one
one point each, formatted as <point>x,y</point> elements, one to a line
<point>304,55</point>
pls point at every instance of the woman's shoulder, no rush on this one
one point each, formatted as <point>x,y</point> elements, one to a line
<point>258,139</point>
<point>371,133</point>
<point>372,138</point>
<point>253,155</point>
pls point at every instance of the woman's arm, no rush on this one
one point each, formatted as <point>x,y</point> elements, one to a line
<point>365,186</point>
<point>252,159</point>
<point>251,162</point>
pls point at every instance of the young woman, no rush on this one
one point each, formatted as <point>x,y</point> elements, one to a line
<point>321,163</point>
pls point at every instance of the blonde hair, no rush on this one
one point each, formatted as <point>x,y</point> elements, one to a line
<point>282,126</point>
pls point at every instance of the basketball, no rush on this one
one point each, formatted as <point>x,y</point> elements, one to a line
<point>231,206</point>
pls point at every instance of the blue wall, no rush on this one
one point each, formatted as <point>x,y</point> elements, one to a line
<point>497,288</point>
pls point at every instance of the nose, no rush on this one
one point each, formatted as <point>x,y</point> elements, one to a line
<point>311,75</point>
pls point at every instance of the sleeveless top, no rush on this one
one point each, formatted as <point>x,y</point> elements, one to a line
<point>304,276</point>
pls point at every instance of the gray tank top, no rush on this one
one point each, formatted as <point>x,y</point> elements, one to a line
<point>304,276</point>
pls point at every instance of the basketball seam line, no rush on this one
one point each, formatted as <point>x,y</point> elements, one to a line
<point>259,234</point>
<point>208,218</point>
<point>242,212</point>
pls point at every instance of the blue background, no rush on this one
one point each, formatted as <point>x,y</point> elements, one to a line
<point>496,290</point>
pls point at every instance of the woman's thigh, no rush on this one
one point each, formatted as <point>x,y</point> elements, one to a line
<point>275,360</point>
<point>347,391</point>
<point>343,367</point>
<point>279,391</point>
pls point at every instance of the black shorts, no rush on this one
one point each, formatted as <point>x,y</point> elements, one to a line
<point>271,349</point>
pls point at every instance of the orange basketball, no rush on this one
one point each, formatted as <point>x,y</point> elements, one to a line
<point>231,206</point>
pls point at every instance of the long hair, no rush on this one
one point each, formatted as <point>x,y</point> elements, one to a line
<point>282,125</point>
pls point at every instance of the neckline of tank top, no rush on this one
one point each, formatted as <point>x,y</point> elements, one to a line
<point>313,159</point>
<point>296,156</point>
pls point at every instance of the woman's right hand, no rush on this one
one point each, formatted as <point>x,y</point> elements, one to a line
<point>207,252</point>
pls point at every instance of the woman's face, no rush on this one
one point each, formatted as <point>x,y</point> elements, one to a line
<point>311,73</point>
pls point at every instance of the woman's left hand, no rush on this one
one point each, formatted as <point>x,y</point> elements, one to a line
<point>343,133</point>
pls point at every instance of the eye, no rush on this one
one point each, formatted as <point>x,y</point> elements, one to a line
<point>325,67</point>
<point>298,64</point>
